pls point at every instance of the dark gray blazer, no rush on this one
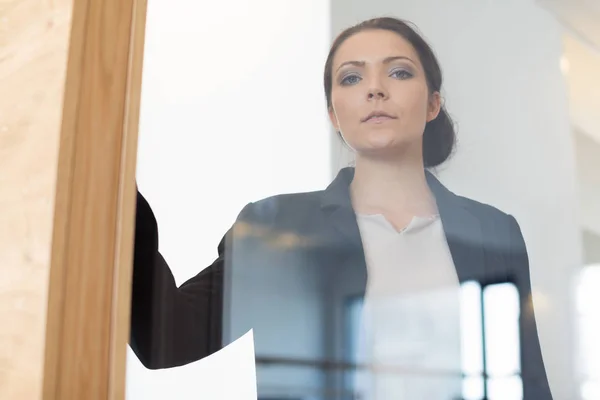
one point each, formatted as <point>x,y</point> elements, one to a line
<point>287,266</point>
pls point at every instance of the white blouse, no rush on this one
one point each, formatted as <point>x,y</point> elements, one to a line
<point>411,314</point>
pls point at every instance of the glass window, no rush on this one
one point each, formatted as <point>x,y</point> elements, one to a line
<point>490,358</point>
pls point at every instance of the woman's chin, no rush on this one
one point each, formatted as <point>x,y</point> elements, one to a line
<point>384,147</point>
<point>380,152</point>
<point>381,144</point>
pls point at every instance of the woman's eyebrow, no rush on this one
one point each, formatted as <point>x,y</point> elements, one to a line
<point>386,60</point>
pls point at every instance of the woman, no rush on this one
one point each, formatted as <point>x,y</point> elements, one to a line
<point>291,262</point>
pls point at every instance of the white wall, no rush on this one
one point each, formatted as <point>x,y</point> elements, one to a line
<point>505,89</point>
<point>232,103</point>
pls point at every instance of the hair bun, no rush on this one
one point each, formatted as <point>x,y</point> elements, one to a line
<point>438,139</point>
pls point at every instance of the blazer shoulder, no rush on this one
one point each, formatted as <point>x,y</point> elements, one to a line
<point>501,227</point>
<point>276,208</point>
<point>484,210</point>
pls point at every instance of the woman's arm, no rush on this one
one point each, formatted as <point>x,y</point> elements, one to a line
<point>535,381</point>
<point>171,326</point>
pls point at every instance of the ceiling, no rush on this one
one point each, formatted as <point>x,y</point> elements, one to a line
<point>580,17</point>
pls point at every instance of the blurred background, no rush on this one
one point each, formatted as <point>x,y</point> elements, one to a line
<point>233,111</point>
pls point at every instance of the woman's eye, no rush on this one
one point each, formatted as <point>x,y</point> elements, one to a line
<point>350,80</point>
<point>401,74</point>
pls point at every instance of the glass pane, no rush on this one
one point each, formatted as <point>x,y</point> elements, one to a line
<point>472,388</point>
<point>355,307</point>
<point>237,143</point>
<point>501,305</point>
<point>353,378</point>
<point>505,388</point>
<point>471,329</point>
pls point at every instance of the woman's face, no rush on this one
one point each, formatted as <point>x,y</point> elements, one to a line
<point>379,73</point>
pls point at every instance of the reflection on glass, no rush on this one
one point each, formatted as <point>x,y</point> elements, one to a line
<point>490,332</point>
<point>472,343</point>
<point>352,378</point>
<point>501,340</point>
<point>501,305</point>
<point>498,373</point>
<point>510,388</point>
<point>588,299</point>
<point>473,388</point>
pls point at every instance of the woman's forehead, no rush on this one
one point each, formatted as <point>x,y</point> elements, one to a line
<point>373,46</point>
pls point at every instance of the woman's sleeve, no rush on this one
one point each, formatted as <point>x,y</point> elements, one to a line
<point>533,372</point>
<point>172,326</point>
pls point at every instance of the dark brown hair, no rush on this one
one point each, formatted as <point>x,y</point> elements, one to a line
<point>439,137</point>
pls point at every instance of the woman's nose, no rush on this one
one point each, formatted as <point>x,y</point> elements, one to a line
<point>377,93</point>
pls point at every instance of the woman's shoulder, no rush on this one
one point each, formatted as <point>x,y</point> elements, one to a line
<point>481,209</point>
<point>494,220</point>
<point>279,208</point>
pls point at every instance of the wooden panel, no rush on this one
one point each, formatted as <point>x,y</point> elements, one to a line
<point>126,218</point>
<point>89,284</point>
<point>34,38</point>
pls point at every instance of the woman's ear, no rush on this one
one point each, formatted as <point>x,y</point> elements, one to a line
<point>434,106</point>
<point>333,119</point>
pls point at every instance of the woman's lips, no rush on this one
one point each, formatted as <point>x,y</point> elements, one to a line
<point>379,119</point>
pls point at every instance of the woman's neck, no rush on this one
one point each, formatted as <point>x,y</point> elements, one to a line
<point>398,190</point>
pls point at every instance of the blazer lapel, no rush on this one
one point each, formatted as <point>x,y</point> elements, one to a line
<point>462,229</point>
<point>463,232</point>
<point>337,208</point>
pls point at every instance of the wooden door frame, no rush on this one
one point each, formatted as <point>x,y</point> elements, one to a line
<point>87,327</point>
